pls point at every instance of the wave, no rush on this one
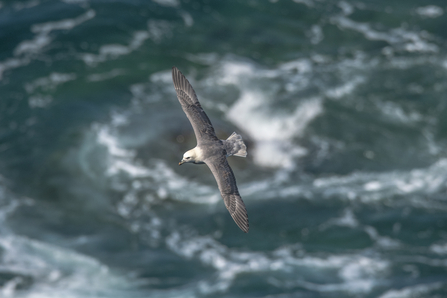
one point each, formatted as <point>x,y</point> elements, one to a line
<point>287,267</point>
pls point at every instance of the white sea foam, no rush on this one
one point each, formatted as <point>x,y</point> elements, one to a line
<point>439,248</point>
<point>187,18</point>
<point>274,131</point>
<point>162,77</point>
<point>159,30</point>
<point>364,187</point>
<point>309,3</point>
<point>206,58</point>
<point>27,50</point>
<point>12,63</point>
<point>271,131</point>
<point>345,89</point>
<point>396,113</point>
<point>381,241</point>
<point>233,71</point>
<point>122,168</point>
<point>156,31</point>
<point>430,11</point>
<point>43,31</point>
<point>53,271</point>
<point>346,220</point>
<point>169,3</point>
<point>50,82</point>
<point>429,180</point>
<point>399,38</point>
<point>346,7</point>
<point>316,34</point>
<point>422,290</point>
<point>358,273</point>
<point>39,100</point>
<point>39,88</point>
<point>96,77</point>
<point>8,204</point>
<point>24,4</point>
<point>113,51</point>
<point>41,270</point>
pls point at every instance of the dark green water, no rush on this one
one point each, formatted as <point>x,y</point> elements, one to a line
<point>343,108</point>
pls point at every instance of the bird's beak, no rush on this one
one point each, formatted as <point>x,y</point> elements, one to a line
<point>181,162</point>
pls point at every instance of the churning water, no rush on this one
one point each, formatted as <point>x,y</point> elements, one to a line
<point>343,108</point>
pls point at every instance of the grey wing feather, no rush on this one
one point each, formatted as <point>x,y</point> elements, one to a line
<point>227,185</point>
<point>200,122</point>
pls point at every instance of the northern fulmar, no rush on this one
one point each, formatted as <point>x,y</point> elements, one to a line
<point>211,150</point>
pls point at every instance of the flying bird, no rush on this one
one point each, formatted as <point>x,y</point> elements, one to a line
<point>212,151</point>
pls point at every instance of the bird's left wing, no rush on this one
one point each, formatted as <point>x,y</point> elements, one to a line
<point>203,129</point>
<point>228,189</point>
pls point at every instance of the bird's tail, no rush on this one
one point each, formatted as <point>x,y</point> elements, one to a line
<point>235,145</point>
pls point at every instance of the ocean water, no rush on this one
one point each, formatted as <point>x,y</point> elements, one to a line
<point>343,108</point>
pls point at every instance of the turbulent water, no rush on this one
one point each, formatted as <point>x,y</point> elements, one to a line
<point>343,108</point>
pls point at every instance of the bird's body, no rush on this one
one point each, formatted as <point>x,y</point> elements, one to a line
<point>211,150</point>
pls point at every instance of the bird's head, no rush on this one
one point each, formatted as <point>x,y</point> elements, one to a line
<point>188,157</point>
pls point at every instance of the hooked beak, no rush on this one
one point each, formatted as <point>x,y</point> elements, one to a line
<point>181,162</point>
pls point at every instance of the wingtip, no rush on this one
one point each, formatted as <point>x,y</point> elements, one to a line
<point>175,75</point>
<point>244,227</point>
<point>242,221</point>
<point>237,210</point>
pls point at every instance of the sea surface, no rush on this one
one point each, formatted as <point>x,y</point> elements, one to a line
<point>342,105</point>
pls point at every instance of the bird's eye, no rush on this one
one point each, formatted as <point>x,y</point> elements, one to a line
<point>188,157</point>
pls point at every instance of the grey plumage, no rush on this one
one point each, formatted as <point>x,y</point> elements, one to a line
<point>235,146</point>
<point>200,122</point>
<point>211,150</point>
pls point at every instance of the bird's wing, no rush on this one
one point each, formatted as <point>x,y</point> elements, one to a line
<point>200,122</point>
<point>228,189</point>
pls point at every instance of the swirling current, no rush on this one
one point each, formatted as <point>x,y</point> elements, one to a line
<point>342,105</point>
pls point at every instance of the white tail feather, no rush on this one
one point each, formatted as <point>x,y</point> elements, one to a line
<point>235,145</point>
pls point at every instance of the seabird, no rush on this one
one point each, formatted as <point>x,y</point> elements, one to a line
<point>212,151</point>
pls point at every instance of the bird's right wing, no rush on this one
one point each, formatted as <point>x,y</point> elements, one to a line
<point>228,189</point>
<point>200,122</point>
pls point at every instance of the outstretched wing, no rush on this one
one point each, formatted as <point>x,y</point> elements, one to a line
<point>228,189</point>
<point>200,122</point>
